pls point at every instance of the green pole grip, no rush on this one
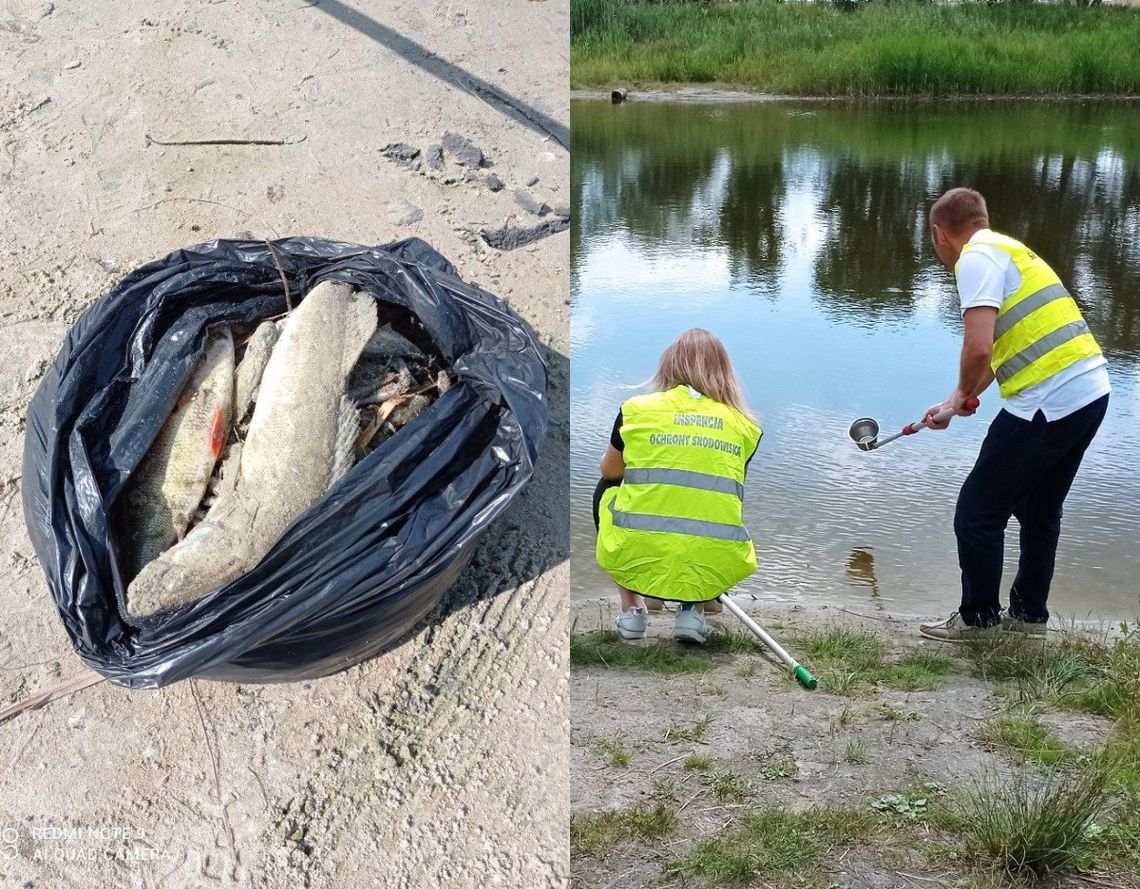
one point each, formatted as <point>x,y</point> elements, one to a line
<point>803,677</point>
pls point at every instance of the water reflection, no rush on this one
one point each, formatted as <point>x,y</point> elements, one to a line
<point>861,568</point>
<point>798,234</point>
<point>1063,177</point>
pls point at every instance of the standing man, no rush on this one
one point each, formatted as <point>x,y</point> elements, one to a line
<point>1024,329</point>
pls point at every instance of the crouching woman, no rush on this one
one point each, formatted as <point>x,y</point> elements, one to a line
<point>669,506</point>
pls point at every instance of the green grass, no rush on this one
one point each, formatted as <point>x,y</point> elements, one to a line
<point>688,731</point>
<point>777,768</point>
<point>613,749</point>
<point>1120,757</point>
<point>840,645</point>
<point>1073,671</point>
<point>663,790</point>
<point>1028,741</point>
<point>1119,841</point>
<point>1111,687</point>
<point>857,753</point>
<point>879,49</point>
<point>1024,826</point>
<point>891,713</point>
<point>1119,762</point>
<point>845,718</point>
<point>724,641</point>
<point>770,843</point>
<point>606,649</point>
<point>1038,669</point>
<point>1086,809</point>
<point>917,671</point>
<point>846,661</point>
<point>598,831</point>
<point>729,788</point>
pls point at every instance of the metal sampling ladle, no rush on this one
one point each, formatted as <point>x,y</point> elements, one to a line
<point>865,431</point>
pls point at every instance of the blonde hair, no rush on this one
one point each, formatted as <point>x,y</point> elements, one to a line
<point>699,360</point>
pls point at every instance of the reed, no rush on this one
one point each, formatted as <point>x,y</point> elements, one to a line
<point>877,49</point>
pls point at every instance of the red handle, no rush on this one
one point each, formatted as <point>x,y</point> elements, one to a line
<point>970,404</point>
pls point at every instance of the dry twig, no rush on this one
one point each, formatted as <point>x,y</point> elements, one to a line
<point>150,140</point>
<point>63,689</point>
<point>281,272</point>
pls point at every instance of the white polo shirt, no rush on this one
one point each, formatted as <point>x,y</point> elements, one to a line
<point>987,276</point>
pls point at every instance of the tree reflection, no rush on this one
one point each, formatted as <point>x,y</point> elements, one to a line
<point>750,222</point>
<point>875,248</point>
<point>727,176</point>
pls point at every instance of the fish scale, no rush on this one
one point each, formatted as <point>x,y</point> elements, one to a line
<point>293,452</point>
<point>164,491</point>
<point>251,368</point>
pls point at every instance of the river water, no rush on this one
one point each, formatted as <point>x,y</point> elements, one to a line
<point>797,233</point>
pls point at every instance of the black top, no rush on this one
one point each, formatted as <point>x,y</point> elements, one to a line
<point>615,436</point>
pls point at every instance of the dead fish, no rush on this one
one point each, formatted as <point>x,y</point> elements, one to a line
<point>405,413</point>
<point>252,366</point>
<point>164,491</point>
<point>401,383</point>
<point>227,477</point>
<point>393,385</point>
<point>299,443</point>
<point>386,343</point>
<point>372,389</point>
<point>368,375</point>
<point>393,414</point>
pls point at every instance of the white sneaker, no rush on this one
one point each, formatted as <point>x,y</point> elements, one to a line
<point>954,629</point>
<point>631,624</point>
<point>1032,630</point>
<point>690,626</point>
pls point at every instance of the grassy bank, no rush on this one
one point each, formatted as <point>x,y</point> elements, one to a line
<point>994,766</point>
<point>877,49</point>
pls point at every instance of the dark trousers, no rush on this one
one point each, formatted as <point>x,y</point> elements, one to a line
<point>1025,469</point>
<point>604,484</point>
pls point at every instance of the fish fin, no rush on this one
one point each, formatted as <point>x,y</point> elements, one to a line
<point>347,430</point>
<point>218,432</point>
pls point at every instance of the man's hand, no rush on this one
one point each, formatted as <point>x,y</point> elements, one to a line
<point>956,402</point>
<point>975,373</point>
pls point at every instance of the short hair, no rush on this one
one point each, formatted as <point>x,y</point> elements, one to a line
<point>959,208</point>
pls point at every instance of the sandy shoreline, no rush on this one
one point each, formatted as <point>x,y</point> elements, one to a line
<point>716,746</point>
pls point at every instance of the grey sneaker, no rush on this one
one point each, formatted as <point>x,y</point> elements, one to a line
<point>690,626</point>
<point>631,624</point>
<point>1032,629</point>
<point>954,629</point>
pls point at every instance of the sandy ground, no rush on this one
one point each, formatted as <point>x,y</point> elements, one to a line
<point>787,745</point>
<point>444,762</point>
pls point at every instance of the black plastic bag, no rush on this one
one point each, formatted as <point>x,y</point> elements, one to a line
<point>369,559</point>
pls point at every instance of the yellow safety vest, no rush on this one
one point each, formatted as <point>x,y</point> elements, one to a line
<point>1040,330</point>
<point>674,528</point>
